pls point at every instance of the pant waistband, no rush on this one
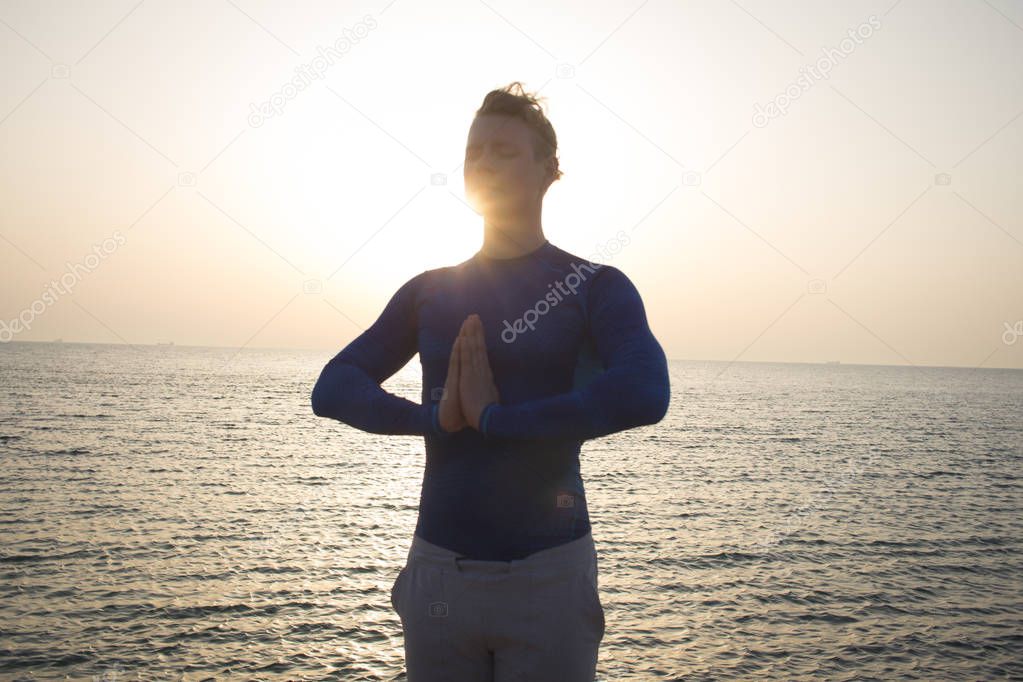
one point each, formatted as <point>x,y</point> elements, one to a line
<point>576,551</point>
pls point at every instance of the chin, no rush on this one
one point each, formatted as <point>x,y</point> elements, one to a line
<point>483,203</point>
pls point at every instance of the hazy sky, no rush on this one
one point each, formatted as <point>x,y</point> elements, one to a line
<point>878,219</point>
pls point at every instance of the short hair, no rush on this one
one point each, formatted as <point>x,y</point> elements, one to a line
<point>526,107</point>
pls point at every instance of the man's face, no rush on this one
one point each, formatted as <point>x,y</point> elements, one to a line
<point>500,172</point>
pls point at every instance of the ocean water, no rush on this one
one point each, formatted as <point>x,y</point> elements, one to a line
<point>180,513</point>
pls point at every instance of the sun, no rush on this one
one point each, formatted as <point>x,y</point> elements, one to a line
<point>437,229</point>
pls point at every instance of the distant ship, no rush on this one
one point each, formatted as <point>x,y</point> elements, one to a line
<point>58,341</point>
<point>832,362</point>
<point>162,343</point>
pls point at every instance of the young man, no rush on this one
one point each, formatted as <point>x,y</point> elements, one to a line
<point>526,351</point>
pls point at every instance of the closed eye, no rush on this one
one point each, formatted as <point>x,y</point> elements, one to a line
<point>506,151</point>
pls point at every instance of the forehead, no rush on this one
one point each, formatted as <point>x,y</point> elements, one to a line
<point>499,128</point>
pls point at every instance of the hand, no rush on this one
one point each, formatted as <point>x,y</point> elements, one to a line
<point>450,411</point>
<point>476,388</point>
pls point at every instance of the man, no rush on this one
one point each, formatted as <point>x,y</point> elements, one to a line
<point>526,351</point>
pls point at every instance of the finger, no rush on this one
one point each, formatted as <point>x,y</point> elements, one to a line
<point>477,346</point>
<point>463,346</point>
<point>482,359</point>
<point>465,352</point>
<point>461,330</point>
<point>454,363</point>
<point>468,334</point>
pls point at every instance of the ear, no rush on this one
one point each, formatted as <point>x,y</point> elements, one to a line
<point>550,168</point>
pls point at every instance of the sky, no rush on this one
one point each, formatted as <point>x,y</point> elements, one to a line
<point>782,181</point>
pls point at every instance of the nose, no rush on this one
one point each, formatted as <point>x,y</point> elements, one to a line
<point>480,168</point>
<point>483,162</point>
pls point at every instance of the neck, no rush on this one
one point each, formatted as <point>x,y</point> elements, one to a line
<point>503,238</point>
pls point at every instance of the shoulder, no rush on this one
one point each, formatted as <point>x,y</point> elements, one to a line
<point>430,277</point>
<point>611,284</point>
<point>435,277</point>
<point>429,284</point>
<point>583,270</point>
<point>602,287</point>
<point>593,277</point>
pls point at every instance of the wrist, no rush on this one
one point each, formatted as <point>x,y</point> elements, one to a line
<point>435,425</point>
<point>485,416</point>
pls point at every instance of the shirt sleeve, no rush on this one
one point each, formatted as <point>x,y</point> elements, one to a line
<point>633,390</point>
<point>349,387</point>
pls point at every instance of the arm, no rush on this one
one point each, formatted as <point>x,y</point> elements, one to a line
<point>632,391</point>
<point>348,389</point>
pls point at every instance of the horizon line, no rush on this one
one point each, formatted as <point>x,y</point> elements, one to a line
<point>171,344</point>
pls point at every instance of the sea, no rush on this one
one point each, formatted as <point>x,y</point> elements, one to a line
<point>179,513</point>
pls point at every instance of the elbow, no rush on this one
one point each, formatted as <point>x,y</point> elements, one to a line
<point>317,402</point>
<point>653,408</point>
<point>662,399</point>
<point>652,387</point>
<point>332,396</point>
<point>650,404</point>
<point>659,406</point>
<point>322,401</point>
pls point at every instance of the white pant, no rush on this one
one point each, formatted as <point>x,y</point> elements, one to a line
<point>537,618</point>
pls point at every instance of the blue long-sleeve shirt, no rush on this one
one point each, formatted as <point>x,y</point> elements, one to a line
<point>573,358</point>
